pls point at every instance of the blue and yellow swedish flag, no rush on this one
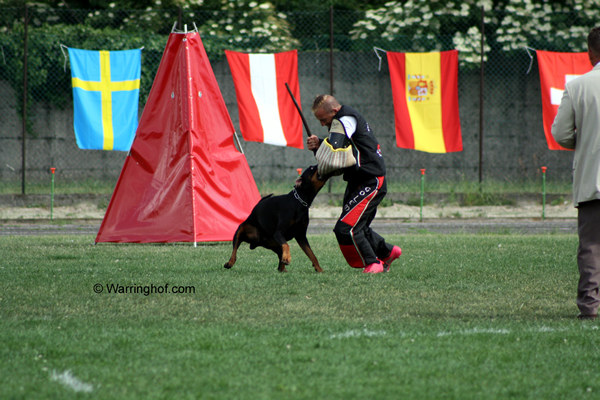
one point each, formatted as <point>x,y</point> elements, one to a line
<point>106,88</point>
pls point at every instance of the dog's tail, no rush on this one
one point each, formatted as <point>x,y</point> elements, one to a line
<point>237,239</point>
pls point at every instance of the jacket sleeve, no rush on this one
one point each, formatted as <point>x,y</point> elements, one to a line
<point>563,127</point>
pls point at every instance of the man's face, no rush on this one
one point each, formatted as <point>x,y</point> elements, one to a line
<point>325,117</point>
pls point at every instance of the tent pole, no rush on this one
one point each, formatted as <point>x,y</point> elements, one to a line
<point>237,141</point>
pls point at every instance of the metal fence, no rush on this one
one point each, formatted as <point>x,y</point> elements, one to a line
<point>500,104</point>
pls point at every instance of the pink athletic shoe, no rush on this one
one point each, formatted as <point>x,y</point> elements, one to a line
<point>396,252</point>
<point>374,268</point>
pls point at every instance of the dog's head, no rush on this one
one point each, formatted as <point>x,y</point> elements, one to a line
<point>310,181</point>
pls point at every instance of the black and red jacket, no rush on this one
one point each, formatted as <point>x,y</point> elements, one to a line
<point>366,149</point>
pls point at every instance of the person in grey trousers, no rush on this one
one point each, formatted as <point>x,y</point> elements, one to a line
<point>577,126</point>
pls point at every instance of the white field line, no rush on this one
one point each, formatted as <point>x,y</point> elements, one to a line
<point>355,333</point>
<point>474,331</point>
<point>540,329</point>
<point>71,381</point>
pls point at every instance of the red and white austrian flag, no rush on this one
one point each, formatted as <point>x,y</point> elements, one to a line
<point>556,69</point>
<point>266,110</point>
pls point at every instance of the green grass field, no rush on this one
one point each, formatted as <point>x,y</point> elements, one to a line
<point>458,317</point>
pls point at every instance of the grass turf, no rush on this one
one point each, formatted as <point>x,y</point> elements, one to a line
<point>458,317</point>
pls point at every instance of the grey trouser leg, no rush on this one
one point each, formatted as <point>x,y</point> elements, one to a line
<point>588,256</point>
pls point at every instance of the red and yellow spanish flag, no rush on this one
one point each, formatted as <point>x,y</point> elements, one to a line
<point>425,92</point>
<point>556,69</point>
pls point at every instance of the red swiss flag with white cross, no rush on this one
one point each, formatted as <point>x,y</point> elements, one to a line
<point>556,69</point>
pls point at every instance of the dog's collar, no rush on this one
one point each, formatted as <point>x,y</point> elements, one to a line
<point>297,196</point>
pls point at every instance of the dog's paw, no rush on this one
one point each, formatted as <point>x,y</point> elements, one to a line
<point>227,265</point>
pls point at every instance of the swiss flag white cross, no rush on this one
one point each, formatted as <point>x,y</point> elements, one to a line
<point>556,94</point>
<point>557,69</point>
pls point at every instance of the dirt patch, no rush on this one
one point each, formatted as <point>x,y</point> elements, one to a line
<point>522,210</point>
<point>90,210</point>
<point>83,210</point>
<point>525,217</point>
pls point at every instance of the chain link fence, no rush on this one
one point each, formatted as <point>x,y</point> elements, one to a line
<point>500,105</point>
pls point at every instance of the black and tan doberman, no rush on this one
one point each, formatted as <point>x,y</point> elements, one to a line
<point>275,220</point>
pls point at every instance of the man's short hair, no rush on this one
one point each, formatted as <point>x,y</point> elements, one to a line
<point>593,41</point>
<point>327,101</point>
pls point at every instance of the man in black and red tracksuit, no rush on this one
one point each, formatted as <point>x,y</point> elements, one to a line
<point>361,246</point>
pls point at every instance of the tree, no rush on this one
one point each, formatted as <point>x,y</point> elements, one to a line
<point>547,26</point>
<point>245,25</point>
<point>426,25</point>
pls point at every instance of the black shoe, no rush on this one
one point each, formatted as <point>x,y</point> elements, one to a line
<point>587,316</point>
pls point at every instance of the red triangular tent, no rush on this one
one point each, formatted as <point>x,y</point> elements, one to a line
<point>183,180</point>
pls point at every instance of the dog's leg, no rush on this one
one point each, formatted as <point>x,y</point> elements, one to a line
<point>305,246</point>
<point>237,240</point>
<point>286,257</point>
<point>279,251</point>
<point>283,251</point>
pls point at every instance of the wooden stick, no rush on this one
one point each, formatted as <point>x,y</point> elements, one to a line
<point>308,132</point>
